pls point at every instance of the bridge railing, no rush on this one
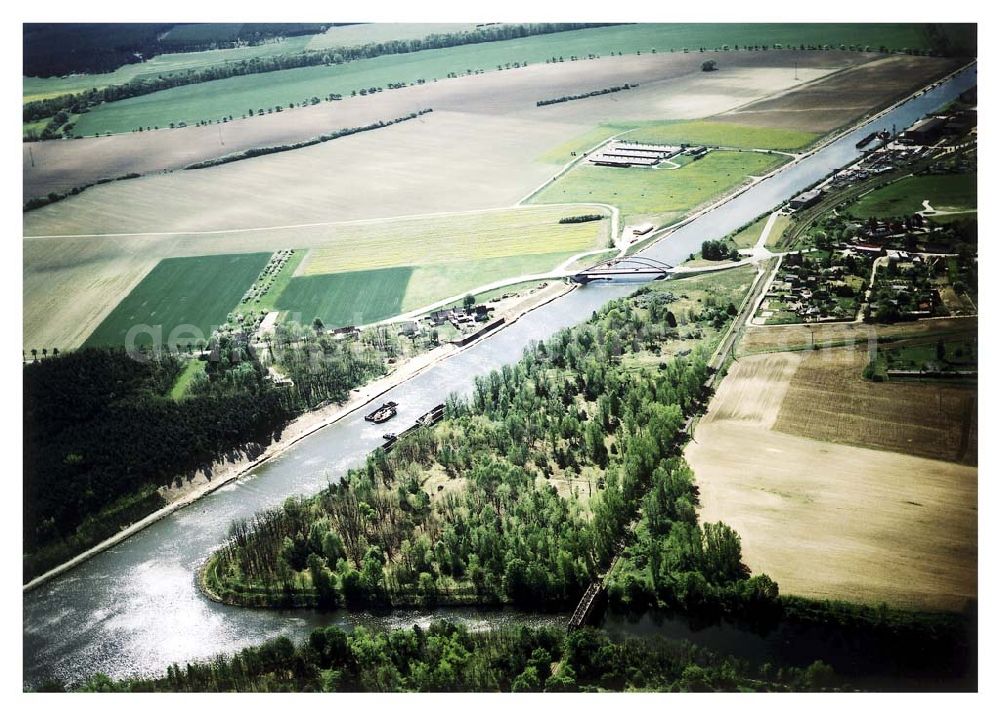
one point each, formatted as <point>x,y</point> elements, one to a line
<point>639,262</point>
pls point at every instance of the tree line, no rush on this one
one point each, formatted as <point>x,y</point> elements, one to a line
<point>341,133</point>
<point>591,94</point>
<point>101,432</point>
<point>54,197</point>
<point>81,102</point>
<point>448,657</point>
<point>62,48</point>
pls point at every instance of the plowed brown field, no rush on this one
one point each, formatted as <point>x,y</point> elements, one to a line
<point>837,521</point>
<point>802,337</point>
<point>829,400</point>
<point>833,102</point>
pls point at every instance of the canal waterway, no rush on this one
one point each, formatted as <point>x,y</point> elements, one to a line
<point>134,609</point>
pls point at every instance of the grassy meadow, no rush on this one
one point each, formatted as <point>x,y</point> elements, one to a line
<point>659,195</point>
<point>562,153</point>
<point>747,237</point>
<point>233,96</point>
<point>958,354</point>
<point>944,192</point>
<point>194,368</point>
<point>709,132</point>
<point>198,291</point>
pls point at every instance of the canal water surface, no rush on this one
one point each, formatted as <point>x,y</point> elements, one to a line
<point>135,609</point>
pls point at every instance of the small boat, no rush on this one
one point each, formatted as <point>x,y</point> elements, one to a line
<point>383,413</point>
<point>389,437</point>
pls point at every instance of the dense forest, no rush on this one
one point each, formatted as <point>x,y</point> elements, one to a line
<point>448,657</point>
<point>575,410</point>
<point>64,48</point>
<point>101,432</point>
<point>81,102</point>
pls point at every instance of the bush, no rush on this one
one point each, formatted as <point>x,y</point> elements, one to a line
<point>876,370</point>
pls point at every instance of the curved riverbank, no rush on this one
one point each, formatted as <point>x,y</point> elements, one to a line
<point>416,366</point>
<point>137,609</point>
<point>218,590</point>
<point>300,428</point>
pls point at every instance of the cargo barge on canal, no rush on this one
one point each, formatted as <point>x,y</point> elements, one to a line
<point>383,413</point>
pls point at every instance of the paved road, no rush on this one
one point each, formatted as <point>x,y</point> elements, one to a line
<point>753,299</point>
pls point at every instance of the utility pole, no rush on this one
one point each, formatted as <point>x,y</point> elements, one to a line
<point>32,156</point>
<point>796,69</point>
<point>221,142</point>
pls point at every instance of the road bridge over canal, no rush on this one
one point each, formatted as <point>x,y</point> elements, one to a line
<point>638,267</point>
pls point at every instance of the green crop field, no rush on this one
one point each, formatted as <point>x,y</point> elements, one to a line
<point>233,96</point>
<point>708,132</point>
<point>944,192</point>
<point>359,297</point>
<point>166,64</point>
<point>198,291</point>
<point>345,36</point>
<point>658,195</point>
<point>171,63</point>
<point>352,298</point>
<point>455,237</point>
<point>432,283</point>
